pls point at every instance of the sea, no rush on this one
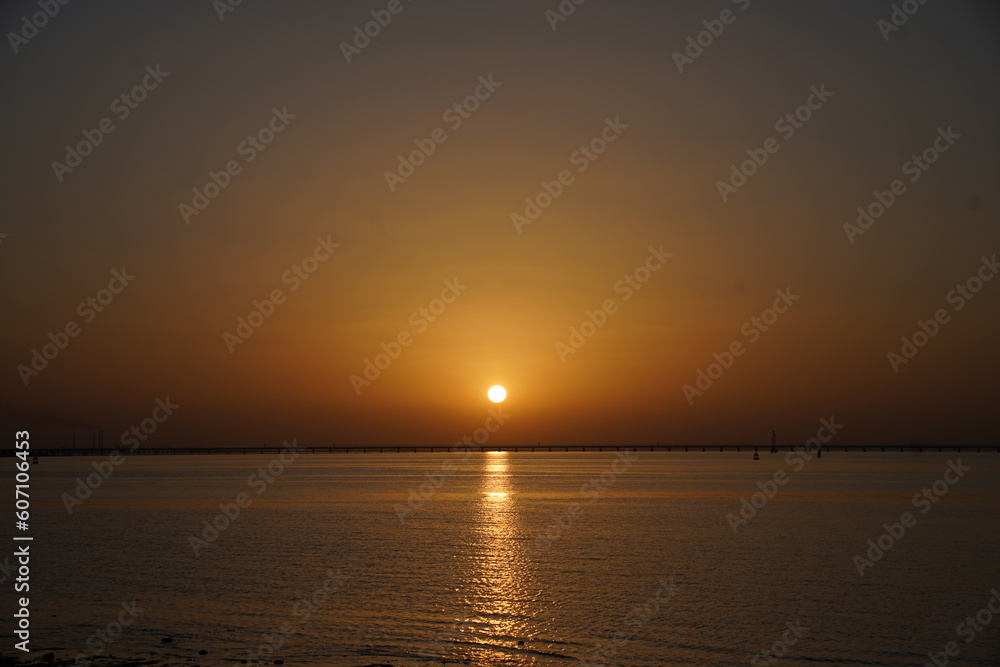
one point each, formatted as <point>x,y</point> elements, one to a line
<point>627,558</point>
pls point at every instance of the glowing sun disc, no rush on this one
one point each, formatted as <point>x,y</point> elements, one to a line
<point>496,393</point>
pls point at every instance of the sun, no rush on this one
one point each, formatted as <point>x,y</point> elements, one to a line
<point>496,393</point>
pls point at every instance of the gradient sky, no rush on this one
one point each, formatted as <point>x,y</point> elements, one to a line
<point>323,176</point>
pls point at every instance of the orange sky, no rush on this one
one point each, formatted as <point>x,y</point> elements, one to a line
<point>388,252</point>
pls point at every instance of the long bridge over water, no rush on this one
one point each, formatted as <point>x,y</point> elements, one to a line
<point>399,449</point>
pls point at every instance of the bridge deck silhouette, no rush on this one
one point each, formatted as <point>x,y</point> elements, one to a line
<point>400,449</point>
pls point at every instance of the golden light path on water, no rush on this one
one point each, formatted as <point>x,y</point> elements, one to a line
<point>496,477</point>
<point>504,603</point>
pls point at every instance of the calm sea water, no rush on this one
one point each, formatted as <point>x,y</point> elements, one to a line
<point>517,559</point>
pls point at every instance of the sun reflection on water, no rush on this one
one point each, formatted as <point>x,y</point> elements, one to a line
<point>503,600</point>
<point>496,477</point>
